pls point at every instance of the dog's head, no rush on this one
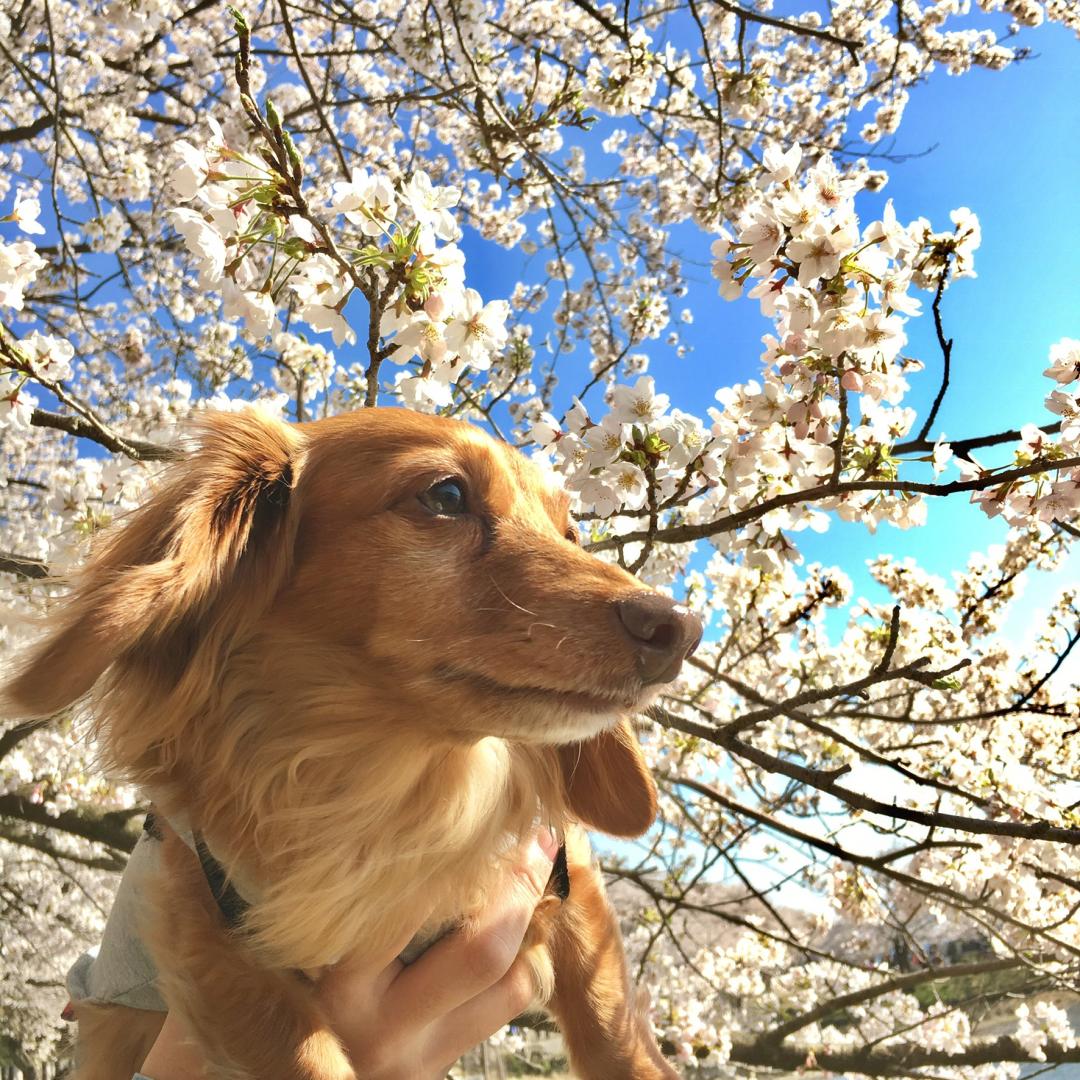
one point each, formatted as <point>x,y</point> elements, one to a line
<point>383,567</point>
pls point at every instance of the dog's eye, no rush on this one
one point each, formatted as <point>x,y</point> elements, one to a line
<point>446,497</point>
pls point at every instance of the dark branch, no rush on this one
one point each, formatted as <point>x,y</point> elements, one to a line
<point>827,782</point>
<point>686,534</point>
<point>27,131</point>
<point>795,28</point>
<point>113,828</point>
<point>84,429</point>
<point>899,1061</point>
<point>887,986</point>
<point>962,447</point>
<point>946,345</point>
<point>22,565</point>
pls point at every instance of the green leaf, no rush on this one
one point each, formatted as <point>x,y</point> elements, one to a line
<point>264,194</point>
<point>656,446</point>
<point>948,683</point>
<point>372,256</point>
<point>239,22</point>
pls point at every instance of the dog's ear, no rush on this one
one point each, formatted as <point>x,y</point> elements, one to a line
<point>608,786</point>
<point>219,520</point>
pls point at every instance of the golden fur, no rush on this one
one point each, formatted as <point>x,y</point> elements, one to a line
<point>360,704</point>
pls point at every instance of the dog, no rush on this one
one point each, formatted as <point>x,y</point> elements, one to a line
<point>354,661</point>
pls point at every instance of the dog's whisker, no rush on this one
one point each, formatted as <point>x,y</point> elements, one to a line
<point>512,603</point>
<point>577,761</point>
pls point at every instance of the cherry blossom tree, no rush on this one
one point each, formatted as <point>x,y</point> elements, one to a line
<point>202,208</point>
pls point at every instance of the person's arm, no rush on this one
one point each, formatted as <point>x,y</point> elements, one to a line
<point>417,1020</point>
<point>172,1057</point>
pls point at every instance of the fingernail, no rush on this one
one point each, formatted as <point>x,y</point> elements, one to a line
<point>546,842</point>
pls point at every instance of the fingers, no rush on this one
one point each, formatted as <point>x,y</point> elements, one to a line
<point>355,986</point>
<point>490,1011</point>
<point>470,962</point>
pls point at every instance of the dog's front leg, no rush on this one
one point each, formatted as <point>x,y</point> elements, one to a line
<point>252,1023</point>
<point>607,1036</point>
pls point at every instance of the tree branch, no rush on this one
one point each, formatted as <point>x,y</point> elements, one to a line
<point>827,782</point>
<point>894,1061</point>
<point>137,449</point>
<point>794,28</point>
<point>40,842</point>
<point>962,447</point>
<point>22,565</point>
<point>27,131</point>
<point>685,534</point>
<point>898,982</point>
<point>946,345</point>
<point>109,827</point>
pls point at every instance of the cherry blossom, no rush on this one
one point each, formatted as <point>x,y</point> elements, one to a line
<point>1064,361</point>
<point>478,329</point>
<point>639,403</point>
<point>19,266</point>
<point>366,201</point>
<point>852,782</point>
<point>26,213</point>
<point>203,241</point>
<point>430,206</point>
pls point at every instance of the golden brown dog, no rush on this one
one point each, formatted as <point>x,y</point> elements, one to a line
<point>361,657</point>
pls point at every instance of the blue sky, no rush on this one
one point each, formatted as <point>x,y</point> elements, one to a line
<point>1006,144</point>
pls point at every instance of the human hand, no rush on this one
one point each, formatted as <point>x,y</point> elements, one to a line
<point>399,1022</point>
<point>413,1022</point>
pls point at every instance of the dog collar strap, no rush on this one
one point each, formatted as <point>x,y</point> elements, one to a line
<point>231,904</point>
<point>559,881</point>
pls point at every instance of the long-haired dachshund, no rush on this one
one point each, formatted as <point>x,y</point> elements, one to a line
<point>354,662</point>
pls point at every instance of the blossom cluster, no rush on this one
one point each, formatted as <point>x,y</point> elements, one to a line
<point>829,406</point>
<point>44,357</point>
<point>264,255</point>
<point>1053,494</point>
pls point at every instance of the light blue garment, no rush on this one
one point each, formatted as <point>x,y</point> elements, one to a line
<point>120,971</point>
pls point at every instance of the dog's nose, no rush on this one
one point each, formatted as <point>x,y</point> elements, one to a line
<point>663,633</point>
